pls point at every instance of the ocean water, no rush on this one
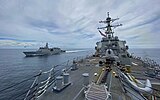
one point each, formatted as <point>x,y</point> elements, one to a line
<point>147,53</point>
<point>15,67</point>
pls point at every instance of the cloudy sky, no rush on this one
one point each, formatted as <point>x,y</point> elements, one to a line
<point>73,23</point>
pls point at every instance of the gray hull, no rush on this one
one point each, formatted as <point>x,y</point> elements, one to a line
<point>36,53</point>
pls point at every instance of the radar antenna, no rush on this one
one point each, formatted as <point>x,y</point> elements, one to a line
<point>108,27</point>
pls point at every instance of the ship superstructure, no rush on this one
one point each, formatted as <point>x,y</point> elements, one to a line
<point>110,46</point>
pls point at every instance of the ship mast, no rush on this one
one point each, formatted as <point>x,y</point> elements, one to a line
<point>108,27</point>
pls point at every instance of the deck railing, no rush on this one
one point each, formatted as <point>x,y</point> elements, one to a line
<point>39,86</point>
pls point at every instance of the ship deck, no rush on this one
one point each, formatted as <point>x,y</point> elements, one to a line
<point>75,90</point>
<point>76,78</point>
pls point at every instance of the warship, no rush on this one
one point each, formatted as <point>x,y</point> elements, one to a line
<point>44,51</point>
<point>111,73</point>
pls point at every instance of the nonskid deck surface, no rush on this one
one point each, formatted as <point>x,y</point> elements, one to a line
<point>77,83</point>
<point>116,88</point>
<point>75,90</point>
<point>138,71</point>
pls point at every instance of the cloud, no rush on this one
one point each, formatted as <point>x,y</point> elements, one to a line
<point>73,23</point>
<point>12,43</point>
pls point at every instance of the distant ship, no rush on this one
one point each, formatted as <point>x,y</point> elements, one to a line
<point>44,51</point>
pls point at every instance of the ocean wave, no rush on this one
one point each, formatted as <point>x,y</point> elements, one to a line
<point>74,51</point>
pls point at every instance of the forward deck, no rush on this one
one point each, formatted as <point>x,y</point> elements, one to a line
<point>75,91</point>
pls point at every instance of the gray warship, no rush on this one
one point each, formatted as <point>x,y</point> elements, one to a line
<point>112,73</point>
<point>43,51</point>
